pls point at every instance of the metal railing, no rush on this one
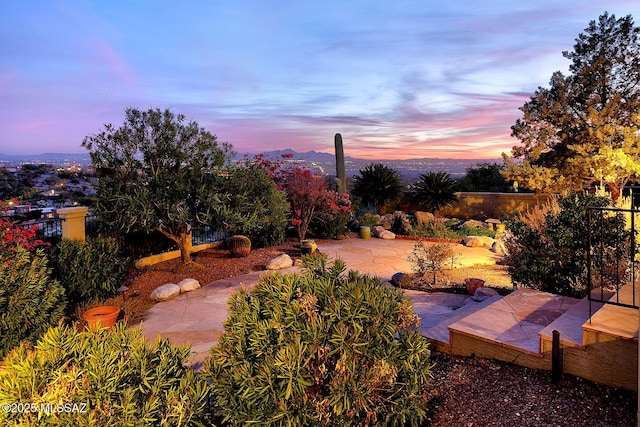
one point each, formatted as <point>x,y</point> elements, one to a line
<point>142,244</point>
<point>47,230</point>
<point>612,258</point>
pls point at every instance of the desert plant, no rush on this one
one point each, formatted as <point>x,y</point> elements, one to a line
<point>340,167</point>
<point>551,255</point>
<point>369,220</point>
<point>435,190</point>
<point>113,377</point>
<point>94,269</point>
<point>332,216</point>
<point>239,245</point>
<point>318,349</point>
<point>377,184</point>
<point>430,259</point>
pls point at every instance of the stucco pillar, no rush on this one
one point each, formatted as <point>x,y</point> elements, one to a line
<point>73,222</point>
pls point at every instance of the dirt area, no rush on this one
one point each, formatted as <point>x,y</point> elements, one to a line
<point>465,391</point>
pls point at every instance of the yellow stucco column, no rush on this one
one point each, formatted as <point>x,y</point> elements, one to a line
<point>73,222</point>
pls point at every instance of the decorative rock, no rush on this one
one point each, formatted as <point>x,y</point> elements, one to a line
<point>474,223</point>
<point>498,247</point>
<point>424,217</point>
<point>165,292</point>
<point>485,292</point>
<point>478,242</point>
<point>280,262</point>
<point>377,230</point>
<point>401,280</point>
<point>387,235</point>
<point>187,285</point>
<point>381,233</point>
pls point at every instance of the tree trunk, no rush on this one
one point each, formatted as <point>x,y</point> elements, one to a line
<point>615,192</point>
<point>185,244</point>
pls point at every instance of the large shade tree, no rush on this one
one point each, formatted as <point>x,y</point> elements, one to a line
<point>585,128</point>
<point>157,172</point>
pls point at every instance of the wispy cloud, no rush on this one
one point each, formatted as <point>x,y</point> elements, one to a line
<point>397,79</point>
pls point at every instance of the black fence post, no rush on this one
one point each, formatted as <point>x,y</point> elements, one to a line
<point>556,358</point>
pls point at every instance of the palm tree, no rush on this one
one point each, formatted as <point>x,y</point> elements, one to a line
<point>435,190</point>
<point>377,185</point>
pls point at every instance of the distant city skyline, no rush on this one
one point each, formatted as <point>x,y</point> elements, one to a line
<point>398,80</point>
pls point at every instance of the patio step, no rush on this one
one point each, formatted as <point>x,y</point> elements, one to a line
<point>511,324</point>
<point>443,310</point>
<point>569,325</point>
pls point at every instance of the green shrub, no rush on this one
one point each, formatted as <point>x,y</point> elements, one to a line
<point>115,376</point>
<point>369,220</point>
<point>547,249</point>
<point>91,270</point>
<point>253,206</point>
<point>320,349</point>
<point>30,301</point>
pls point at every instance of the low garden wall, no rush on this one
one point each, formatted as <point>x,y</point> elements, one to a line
<point>492,205</point>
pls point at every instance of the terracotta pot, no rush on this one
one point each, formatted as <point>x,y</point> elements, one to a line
<point>473,284</point>
<point>104,316</point>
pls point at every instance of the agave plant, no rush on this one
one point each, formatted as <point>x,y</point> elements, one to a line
<point>435,190</point>
<point>377,184</point>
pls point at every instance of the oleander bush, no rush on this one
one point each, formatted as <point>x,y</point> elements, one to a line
<point>94,269</point>
<point>254,206</point>
<point>323,348</point>
<point>30,301</point>
<point>114,378</point>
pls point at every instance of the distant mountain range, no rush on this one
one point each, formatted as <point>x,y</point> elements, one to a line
<point>322,162</point>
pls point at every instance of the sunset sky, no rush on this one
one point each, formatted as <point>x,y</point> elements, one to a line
<point>398,79</point>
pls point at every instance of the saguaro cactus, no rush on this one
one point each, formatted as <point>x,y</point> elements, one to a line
<point>340,169</point>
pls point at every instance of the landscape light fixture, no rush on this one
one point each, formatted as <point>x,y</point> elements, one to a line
<point>122,289</point>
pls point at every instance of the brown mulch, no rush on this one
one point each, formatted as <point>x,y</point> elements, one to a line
<point>464,391</point>
<point>481,392</point>
<point>212,264</point>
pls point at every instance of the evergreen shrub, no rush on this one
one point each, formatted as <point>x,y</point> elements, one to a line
<point>323,348</point>
<point>30,301</point>
<point>547,248</point>
<point>94,269</point>
<point>114,377</point>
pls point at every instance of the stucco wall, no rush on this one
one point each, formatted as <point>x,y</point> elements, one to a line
<point>492,205</point>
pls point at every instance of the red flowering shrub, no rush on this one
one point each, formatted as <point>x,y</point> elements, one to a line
<point>12,235</point>
<point>30,301</point>
<point>311,205</point>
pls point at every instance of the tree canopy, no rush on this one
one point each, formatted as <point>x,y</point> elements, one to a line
<point>584,128</point>
<point>157,172</point>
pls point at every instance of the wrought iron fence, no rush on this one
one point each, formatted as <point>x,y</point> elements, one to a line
<point>141,244</point>
<point>47,230</point>
<point>612,259</point>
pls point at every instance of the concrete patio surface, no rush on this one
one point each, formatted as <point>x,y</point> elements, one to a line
<point>197,317</point>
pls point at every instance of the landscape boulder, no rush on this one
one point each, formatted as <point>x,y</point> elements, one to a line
<point>280,262</point>
<point>187,285</point>
<point>498,247</point>
<point>381,233</point>
<point>478,242</point>
<point>485,292</point>
<point>424,217</point>
<point>401,280</point>
<point>474,223</point>
<point>165,292</point>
